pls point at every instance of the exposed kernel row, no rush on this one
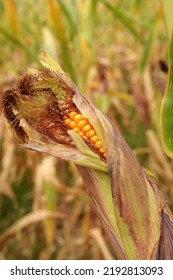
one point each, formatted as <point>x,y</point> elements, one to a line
<point>82,126</point>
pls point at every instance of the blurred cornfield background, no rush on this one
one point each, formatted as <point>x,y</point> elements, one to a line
<point>116,53</point>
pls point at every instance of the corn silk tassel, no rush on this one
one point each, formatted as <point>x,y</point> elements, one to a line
<point>49,115</point>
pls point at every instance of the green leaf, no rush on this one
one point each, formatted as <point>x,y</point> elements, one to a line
<point>167,109</point>
<point>148,48</point>
<point>48,62</point>
<point>127,20</point>
<point>67,11</point>
<point>18,42</point>
<point>168,10</point>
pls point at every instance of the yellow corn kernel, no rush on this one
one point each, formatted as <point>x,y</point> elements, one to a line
<point>81,134</point>
<point>67,121</point>
<point>87,135</point>
<point>73,124</point>
<point>82,123</point>
<point>77,130</point>
<point>101,150</point>
<point>72,115</point>
<point>82,126</point>
<point>94,138</point>
<point>98,144</point>
<point>91,133</point>
<point>78,118</point>
<point>87,128</point>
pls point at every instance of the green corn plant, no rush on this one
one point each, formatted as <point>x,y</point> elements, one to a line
<point>49,115</point>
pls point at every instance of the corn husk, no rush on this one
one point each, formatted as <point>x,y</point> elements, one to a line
<point>131,209</point>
